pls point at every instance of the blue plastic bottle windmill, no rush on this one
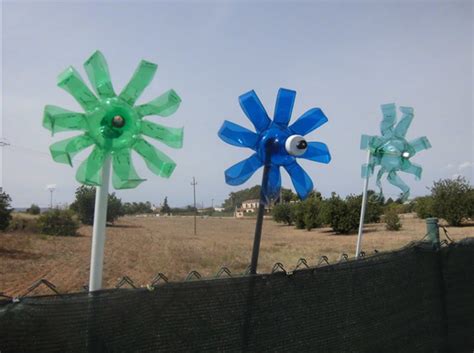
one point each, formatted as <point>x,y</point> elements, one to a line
<point>392,152</point>
<point>275,145</point>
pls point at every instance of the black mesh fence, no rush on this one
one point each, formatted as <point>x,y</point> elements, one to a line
<point>416,299</point>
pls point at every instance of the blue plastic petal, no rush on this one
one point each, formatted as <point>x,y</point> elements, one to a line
<point>272,189</point>
<point>404,123</point>
<point>237,135</point>
<point>284,107</point>
<point>254,110</point>
<point>308,122</point>
<point>389,118</point>
<point>317,152</point>
<point>242,171</point>
<point>301,181</point>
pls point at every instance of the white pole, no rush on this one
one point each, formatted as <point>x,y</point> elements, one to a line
<point>98,231</point>
<point>362,211</point>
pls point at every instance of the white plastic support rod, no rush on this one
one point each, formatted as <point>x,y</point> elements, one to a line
<point>362,211</point>
<point>98,231</point>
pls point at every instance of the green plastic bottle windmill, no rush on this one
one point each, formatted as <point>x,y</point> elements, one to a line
<point>112,124</point>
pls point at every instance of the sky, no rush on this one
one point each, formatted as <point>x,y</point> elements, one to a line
<point>346,57</point>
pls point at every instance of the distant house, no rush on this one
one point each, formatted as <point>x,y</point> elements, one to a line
<point>249,206</point>
<point>219,209</point>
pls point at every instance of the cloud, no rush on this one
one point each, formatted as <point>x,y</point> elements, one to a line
<point>465,165</point>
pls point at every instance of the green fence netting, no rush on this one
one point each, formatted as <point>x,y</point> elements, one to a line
<point>416,299</point>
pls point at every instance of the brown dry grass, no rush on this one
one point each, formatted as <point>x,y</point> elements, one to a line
<point>142,247</point>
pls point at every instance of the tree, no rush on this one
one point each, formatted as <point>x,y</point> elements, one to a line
<point>424,207</point>
<point>34,209</point>
<point>287,196</point>
<point>5,210</point>
<point>58,222</point>
<point>166,209</point>
<point>392,220</point>
<point>312,212</point>
<point>341,215</point>
<point>452,200</point>
<point>235,199</point>
<point>137,208</point>
<point>283,213</point>
<point>84,205</point>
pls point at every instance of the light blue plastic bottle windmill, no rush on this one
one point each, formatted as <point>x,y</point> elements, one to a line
<point>392,153</point>
<point>274,145</point>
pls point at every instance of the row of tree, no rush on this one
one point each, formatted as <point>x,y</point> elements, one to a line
<point>342,214</point>
<point>450,199</point>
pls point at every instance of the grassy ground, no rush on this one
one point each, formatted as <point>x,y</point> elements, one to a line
<point>142,247</point>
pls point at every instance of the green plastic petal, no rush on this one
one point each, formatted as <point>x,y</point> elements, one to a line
<point>157,161</point>
<point>57,119</point>
<point>65,150</point>
<point>140,80</point>
<point>395,180</point>
<point>125,175</point>
<point>172,137</point>
<point>412,168</point>
<point>420,144</point>
<point>89,171</point>
<point>378,181</point>
<point>98,72</point>
<point>389,117</point>
<point>164,105</point>
<point>71,81</point>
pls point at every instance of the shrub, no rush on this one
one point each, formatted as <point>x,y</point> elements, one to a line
<point>392,220</point>
<point>22,222</point>
<point>312,213</point>
<point>58,222</point>
<point>283,213</point>
<point>424,207</point>
<point>342,215</point>
<point>299,215</point>
<point>85,203</point>
<point>5,211</point>
<point>452,200</point>
<point>34,209</point>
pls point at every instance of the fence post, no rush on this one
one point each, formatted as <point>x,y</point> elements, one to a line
<point>432,230</point>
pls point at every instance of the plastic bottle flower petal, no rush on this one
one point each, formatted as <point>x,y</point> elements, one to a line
<point>112,124</point>
<point>275,143</point>
<point>391,151</point>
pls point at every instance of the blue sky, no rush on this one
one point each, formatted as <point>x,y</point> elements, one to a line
<point>344,57</point>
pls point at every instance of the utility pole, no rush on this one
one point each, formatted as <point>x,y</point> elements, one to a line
<point>212,203</point>
<point>194,183</point>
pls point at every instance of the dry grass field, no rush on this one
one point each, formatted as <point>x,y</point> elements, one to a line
<point>142,247</point>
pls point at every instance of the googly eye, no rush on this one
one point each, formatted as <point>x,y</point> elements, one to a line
<point>296,145</point>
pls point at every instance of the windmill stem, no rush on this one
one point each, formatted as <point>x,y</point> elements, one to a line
<point>98,230</point>
<point>362,210</point>
<point>261,211</point>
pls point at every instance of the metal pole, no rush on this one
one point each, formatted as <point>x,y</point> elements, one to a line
<point>98,231</point>
<point>51,199</point>
<point>362,211</point>
<point>432,230</point>
<point>194,183</point>
<point>260,214</point>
